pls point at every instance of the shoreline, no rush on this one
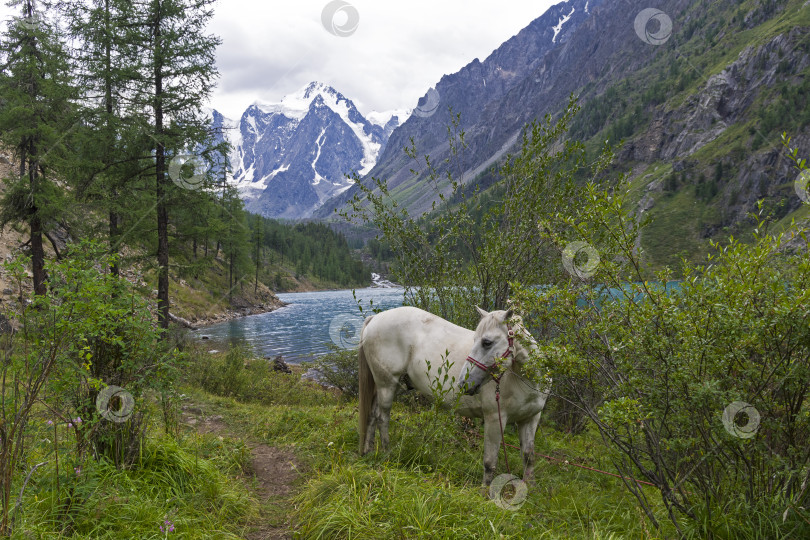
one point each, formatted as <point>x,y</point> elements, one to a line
<point>229,315</point>
<point>259,309</point>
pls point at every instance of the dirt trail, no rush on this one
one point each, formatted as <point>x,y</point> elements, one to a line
<point>274,469</point>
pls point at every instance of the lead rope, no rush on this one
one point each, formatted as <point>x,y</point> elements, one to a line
<point>500,423</point>
<point>511,339</point>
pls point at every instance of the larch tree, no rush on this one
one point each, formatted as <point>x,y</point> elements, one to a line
<point>107,69</point>
<point>178,73</point>
<point>36,121</point>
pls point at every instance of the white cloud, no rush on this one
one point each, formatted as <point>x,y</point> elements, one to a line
<point>399,50</point>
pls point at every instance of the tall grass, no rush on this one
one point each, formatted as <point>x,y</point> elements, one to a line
<point>428,484</point>
<point>185,482</point>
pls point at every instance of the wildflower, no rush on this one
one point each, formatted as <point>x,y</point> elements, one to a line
<point>70,424</point>
<point>78,420</point>
<point>78,471</point>
<point>50,422</point>
<point>167,527</point>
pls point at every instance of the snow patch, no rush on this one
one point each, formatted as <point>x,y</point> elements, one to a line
<point>564,19</point>
<point>319,142</point>
<point>382,118</point>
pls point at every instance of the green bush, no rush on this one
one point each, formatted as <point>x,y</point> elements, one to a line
<point>338,368</point>
<point>250,380</point>
<point>663,371</point>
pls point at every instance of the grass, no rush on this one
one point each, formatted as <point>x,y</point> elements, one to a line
<point>189,481</point>
<point>428,484</point>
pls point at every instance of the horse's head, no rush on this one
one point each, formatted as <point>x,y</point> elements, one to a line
<point>493,350</point>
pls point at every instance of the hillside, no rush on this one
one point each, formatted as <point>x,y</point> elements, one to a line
<point>699,115</point>
<point>292,258</point>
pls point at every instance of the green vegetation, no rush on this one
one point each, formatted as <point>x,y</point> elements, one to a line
<point>472,245</point>
<point>428,484</point>
<point>90,466</point>
<point>699,389</point>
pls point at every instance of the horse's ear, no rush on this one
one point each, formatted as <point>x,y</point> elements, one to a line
<point>481,312</point>
<point>508,315</point>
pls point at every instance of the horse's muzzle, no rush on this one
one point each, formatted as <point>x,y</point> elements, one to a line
<point>468,389</point>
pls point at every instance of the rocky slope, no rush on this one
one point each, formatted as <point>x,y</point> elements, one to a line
<point>699,106</point>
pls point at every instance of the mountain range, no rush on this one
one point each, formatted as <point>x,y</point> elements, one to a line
<point>696,95</point>
<point>289,157</point>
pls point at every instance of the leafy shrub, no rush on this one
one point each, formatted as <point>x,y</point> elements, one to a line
<point>339,368</point>
<point>251,380</point>
<point>670,362</point>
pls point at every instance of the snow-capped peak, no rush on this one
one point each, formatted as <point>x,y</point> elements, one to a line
<point>382,118</point>
<point>291,155</point>
<point>296,105</point>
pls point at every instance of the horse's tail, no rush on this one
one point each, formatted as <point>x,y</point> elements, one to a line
<point>366,391</point>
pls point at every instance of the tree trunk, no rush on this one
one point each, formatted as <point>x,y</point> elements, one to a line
<point>114,218</point>
<point>160,181</point>
<point>37,249</point>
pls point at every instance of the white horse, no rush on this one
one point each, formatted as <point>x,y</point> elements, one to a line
<point>406,340</point>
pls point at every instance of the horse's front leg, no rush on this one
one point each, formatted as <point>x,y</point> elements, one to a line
<point>492,444</point>
<point>526,433</point>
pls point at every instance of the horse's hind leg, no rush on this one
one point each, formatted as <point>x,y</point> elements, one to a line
<point>371,428</point>
<point>379,417</point>
<point>385,397</point>
<point>526,433</point>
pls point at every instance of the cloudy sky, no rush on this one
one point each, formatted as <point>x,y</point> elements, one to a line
<point>391,53</point>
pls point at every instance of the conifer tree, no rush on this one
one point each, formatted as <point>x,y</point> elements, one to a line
<point>107,63</point>
<point>178,69</point>
<point>36,120</point>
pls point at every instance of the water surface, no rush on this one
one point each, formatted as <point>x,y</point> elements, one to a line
<point>301,330</point>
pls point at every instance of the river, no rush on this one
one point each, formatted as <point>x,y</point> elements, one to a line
<point>305,327</point>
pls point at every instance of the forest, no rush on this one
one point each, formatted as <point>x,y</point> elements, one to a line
<point>102,115</point>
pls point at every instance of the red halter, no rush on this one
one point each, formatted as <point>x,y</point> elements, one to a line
<point>511,337</point>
